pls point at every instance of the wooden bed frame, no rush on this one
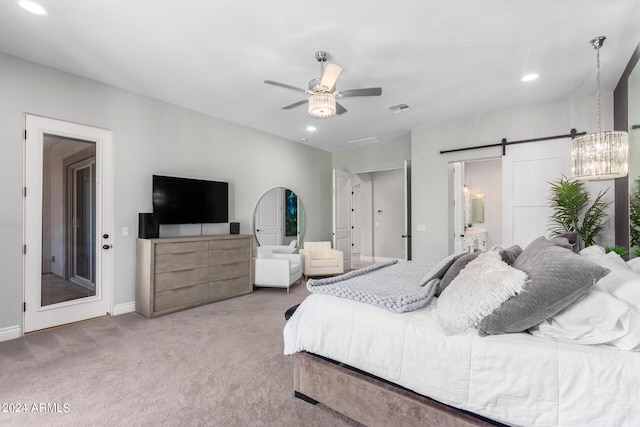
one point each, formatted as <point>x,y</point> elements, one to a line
<point>370,400</point>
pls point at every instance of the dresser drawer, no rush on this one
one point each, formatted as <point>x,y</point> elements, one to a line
<point>229,243</point>
<point>181,278</point>
<point>228,256</point>
<point>180,297</point>
<point>229,271</point>
<point>180,247</point>
<point>229,288</point>
<point>181,261</point>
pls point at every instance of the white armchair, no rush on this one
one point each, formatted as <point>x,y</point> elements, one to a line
<point>319,259</point>
<point>276,270</point>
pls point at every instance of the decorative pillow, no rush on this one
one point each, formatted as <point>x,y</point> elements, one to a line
<point>438,270</point>
<point>455,269</point>
<point>482,286</point>
<point>510,254</point>
<point>561,241</point>
<point>557,277</point>
<point>573,240</point>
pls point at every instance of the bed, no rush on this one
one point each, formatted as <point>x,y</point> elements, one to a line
<point>579,366</point>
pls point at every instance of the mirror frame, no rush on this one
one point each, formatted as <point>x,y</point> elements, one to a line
<point>301,216</point>
<point>621,122</point>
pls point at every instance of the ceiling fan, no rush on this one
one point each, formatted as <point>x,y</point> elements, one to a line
<point>322,92</point>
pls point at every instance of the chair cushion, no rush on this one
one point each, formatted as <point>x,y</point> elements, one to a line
<point>294,268</point>
<point>264,252</point>
<point>320,263</point>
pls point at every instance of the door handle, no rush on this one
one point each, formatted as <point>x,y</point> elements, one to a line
<point>106,246</point>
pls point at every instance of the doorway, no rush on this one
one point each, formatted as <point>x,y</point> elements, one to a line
<point>372,215</point>
<point>67,222</point>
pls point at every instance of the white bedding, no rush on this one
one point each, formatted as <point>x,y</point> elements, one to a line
<point>517,379</point>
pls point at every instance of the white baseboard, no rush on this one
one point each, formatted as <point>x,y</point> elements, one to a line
<point>127,307</point>
<point>10,333</point>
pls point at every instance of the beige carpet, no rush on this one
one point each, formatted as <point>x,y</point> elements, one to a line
<point>217,365</point>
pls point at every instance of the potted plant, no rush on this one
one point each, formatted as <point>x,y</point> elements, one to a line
<point>573,212</point>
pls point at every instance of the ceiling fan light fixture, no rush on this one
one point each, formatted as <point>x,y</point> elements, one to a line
<point>322,105</point>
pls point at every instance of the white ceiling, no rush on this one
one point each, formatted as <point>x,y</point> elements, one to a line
<point>445,59</point>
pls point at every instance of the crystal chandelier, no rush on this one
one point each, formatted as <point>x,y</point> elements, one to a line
<point>322,104</point>
<point>601,155</point>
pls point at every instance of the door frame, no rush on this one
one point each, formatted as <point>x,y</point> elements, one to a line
<point>406,188</point>
<point>35,316</point>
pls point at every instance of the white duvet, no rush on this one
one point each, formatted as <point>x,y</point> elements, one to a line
<point>517,379</point>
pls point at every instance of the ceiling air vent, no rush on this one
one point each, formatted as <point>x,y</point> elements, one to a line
<point>399,108</point>
<point>365,141</point>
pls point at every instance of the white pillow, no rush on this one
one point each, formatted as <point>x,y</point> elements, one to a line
<point>634,264</point>
<point>481,287</point>
<point>596,317</point>
<point>610,260</point>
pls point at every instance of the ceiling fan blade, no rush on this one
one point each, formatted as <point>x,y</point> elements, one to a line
<point>340,109</point>
<point>295,104</point>
<point>331,74</point>
<point>370,91</point>
<point>286,86</point>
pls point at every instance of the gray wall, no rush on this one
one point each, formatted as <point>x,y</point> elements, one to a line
<point>388,213</point>
<point>149,137</point>
<point>389,155</point>
<point>429,167</point>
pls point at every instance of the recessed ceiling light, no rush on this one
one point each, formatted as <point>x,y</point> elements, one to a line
<point>529,77</point>
<point>32,7</point>
<point>311,128</point>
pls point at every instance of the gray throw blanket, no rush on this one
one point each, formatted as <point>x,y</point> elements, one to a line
<point>394,286</point>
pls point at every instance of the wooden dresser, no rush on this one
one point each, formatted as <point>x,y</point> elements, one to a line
<point>176,273</point>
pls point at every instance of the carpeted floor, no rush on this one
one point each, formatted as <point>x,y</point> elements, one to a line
<point>220,364</point>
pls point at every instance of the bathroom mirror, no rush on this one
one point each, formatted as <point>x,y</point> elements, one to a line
<point>477,209</point>
<point>473,208</point>
<point>279,218</point>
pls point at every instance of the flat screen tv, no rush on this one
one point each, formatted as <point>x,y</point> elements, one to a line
<point>190,201</point>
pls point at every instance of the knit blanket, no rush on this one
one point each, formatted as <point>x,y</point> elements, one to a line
<point>394,286</point>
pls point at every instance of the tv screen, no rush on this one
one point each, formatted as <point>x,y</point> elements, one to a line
<point>190,201</point>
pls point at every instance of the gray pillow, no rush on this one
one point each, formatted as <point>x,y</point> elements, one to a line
<point>439,270</point>
<point>455,269</point>
<point>510,254</point>
<point>557,277</point>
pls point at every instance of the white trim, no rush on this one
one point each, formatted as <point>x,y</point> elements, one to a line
<point>10,333</point>
<point>127,307</point>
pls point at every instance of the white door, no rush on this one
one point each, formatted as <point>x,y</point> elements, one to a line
<point>407,211</point>
<point>270,218</point>
<point>342,215</point>
<point>68,227</point>
<point>526,171</point>
<point>457,169</point>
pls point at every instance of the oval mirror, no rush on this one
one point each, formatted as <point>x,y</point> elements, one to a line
<point>279,218</point>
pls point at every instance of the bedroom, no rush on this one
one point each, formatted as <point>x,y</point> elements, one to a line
<point>155,136</point>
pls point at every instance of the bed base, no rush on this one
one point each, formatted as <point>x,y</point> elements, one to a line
<point>370,400</point>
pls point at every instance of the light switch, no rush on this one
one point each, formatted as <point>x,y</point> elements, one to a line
<point>125,231</point>
<point>421,227</point>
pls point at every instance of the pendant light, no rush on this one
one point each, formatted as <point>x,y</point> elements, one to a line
<point>601,155</point>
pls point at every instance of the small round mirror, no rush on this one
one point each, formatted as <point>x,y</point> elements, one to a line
<point>279,218</point>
